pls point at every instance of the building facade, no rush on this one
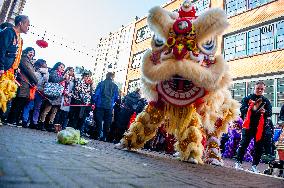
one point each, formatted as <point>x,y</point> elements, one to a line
<point>112,54</point>
<point>9,9</point>
<point>253,46</point>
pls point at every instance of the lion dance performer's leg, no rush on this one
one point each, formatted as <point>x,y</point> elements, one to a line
<point>143,128</point>
<point>228,111</point>
<point>213,153</point>
<point>189,137</point>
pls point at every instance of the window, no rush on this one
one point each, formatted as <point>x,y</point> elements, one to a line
<point>143,34</point>
<point>280,92</point>
<point>241,6</point>
<point>229,47</point>
<point>239,91</point>
<point>201,6</point>
<point>269,90</point>
<point>231,6</point>
<point>261,39</point>
<point>280,35</point>
<point>133,84</point>
<point>234,7</point>
<point>241,45</point>
<point>251,87</point>
<point>267,38</point>
<point>254,41</point>
<point>253,3</point>
<point>137,59</point>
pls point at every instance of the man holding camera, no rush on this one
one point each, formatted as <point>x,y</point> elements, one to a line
<point>255,110</point>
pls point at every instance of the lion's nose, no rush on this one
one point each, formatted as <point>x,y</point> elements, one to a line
<point>179,51</point>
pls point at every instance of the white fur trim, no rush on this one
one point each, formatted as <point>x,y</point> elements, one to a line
<point>211,78</point>
<point>149,90</point>
<point>160,21</point>
<point>210,24</point>
<point>214,161</point>
<point>192,160</point>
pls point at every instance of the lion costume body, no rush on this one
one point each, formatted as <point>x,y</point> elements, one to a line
<point>185,84</point>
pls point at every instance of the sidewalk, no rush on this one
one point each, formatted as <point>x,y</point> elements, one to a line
<point>31,158</point>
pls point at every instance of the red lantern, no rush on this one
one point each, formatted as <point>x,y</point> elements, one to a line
<point>42,43</point>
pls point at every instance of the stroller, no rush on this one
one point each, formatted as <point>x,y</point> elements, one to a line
<point>277,163</point>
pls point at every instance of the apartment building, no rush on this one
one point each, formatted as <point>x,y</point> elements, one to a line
<point>112,54</point>
<point>9,9</point>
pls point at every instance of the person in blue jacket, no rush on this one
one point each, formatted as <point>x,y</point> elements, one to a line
<point>106,93</point>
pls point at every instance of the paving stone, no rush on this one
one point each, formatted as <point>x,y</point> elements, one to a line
<point>15,179</point>
<point>32,158</point>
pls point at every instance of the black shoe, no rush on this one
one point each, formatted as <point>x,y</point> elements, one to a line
<point>41,126</point>
<point>37,127</point>
<point>50,128</point>
<point>4,121</point>
<point>267,158</point>
<point>102,139</point>
<point>32,126</point>
<point>12,124</point>
<point>24,124</point>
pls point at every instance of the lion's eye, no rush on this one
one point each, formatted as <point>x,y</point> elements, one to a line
<point>208,47</point>
<point>158,41</point>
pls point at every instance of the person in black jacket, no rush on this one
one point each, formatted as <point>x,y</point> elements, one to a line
<point>5,25</point>
<point>255,110</point>
<point>10,48</point>
<point>131,103</point>
<point>27,78</point>
<point>10,41</point>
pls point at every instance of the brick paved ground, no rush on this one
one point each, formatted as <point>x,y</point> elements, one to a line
<point>30,158</point>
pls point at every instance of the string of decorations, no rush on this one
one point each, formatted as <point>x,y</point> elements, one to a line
<point>47,37</point>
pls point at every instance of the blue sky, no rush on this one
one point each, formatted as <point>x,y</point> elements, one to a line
<point>82,22</point>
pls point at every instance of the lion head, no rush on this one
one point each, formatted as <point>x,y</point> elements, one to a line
<point>182,60</point>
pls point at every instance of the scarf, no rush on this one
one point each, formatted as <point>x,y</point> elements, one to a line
<point>19,53</point>
<point>260,122</point>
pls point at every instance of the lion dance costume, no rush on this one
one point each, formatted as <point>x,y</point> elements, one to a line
<point>185,84</point>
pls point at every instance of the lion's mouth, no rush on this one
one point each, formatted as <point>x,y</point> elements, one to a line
<point>178,84</point>
<point>179,91</point>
